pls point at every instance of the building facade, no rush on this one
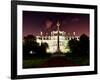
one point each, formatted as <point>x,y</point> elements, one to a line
<point>52,42</point>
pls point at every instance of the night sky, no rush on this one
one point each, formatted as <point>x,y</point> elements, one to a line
<point>34,22</point>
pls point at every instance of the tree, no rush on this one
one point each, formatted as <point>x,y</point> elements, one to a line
<point>30,38</point>
<point>84,45</point>
<point>81,47</point>
<point>30,44</point>
<point>73,45</point>
<point>43,48</point>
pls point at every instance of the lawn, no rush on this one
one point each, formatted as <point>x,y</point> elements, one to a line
<point>39,62</point>
<point>33,63</point>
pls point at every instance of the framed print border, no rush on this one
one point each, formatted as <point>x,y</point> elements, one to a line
<point>14,33</point>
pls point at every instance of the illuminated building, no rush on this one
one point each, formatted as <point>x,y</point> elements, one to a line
<point>57,40</point>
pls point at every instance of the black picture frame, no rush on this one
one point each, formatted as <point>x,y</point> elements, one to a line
<point>14,31</point>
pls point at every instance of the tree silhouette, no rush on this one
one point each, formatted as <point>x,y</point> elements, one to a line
<point>43,48</point>
<point>31,47</point>
<point>73,45</point>
<point>81,47</point>
<point>84,45</point>
<point>30,44</point>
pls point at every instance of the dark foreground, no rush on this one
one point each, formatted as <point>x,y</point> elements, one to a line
<point>54,61</point>
<point>57,61</point>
